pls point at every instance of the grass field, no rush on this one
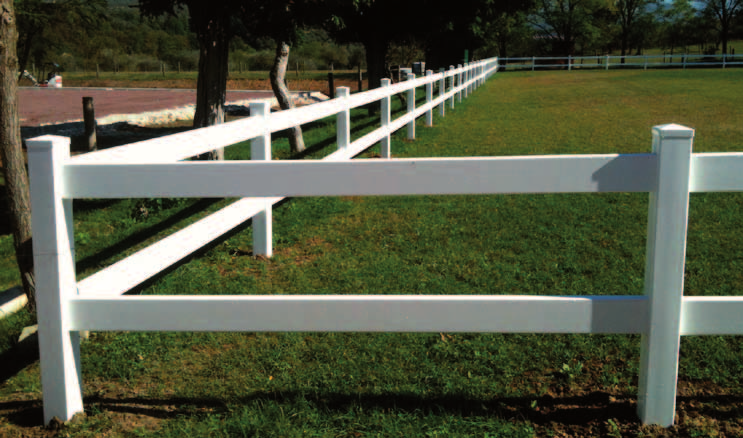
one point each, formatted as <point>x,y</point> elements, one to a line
<point>446,384</point>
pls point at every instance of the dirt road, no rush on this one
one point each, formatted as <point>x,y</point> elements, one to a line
<point>44,106</point>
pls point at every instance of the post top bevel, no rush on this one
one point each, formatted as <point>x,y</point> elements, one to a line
<point>263,103</point>
<point>47,142</point>
<point>673,130</point>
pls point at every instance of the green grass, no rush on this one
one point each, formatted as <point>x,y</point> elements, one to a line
<point>463,384</point>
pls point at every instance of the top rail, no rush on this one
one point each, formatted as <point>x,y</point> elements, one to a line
<point>189,144</point>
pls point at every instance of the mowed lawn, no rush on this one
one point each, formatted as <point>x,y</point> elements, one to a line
<point>443,384</point>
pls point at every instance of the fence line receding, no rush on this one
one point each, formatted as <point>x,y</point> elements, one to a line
<point>154,169</point>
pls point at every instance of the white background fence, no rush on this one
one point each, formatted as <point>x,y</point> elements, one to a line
<point>606,62</point>
<point>153,169</point>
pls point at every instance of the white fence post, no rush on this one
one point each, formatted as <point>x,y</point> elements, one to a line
<point>570,62</point>
<point>474,76</point>
<point>442,90</point>
<point>466,74</point>
<point>607,62</point>
<point>664,274</point>
<point>429,98</point>
<point>459,83</point>
<point>452,83</point>
<point>384,149</point>
<point>411,108</point>
<point>343,120</point>
<point>54,265</point>
<point>646,63</point>
<point>470,76</point>
<point>533,62</point>
<point>260,149</point>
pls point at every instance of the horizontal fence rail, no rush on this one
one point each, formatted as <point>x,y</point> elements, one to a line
<point>153,169</point>
<point>606,62</point>
<point>416,176</point>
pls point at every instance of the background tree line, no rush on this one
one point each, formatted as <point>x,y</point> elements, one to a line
<point>116,36</point>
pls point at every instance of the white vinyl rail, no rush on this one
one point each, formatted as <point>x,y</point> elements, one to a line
<point>605,62</point>
<point>669,173</point>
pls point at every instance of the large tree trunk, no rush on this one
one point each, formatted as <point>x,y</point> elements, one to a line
<point>376,68</point>
<point>211,86</point>
<point>14,170</point>
<point>376,57</point>
<point>278,84</point>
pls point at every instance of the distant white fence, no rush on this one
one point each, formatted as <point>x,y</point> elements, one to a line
<point>605,62</point>
<point>152,169</point>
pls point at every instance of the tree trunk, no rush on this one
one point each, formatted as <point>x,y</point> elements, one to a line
<point>625,43</point>
<point>14,169</point>
<point>278,84</point>
<point>24,55</point>
<point>211,85</point>
<point>376,57</point>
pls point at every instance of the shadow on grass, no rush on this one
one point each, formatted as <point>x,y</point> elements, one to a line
<point>569,410</point>
<point>17,358</point>
<point>143,235</point>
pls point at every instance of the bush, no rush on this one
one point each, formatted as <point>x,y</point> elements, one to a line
<point>188,59</point>
<point>261,60</point>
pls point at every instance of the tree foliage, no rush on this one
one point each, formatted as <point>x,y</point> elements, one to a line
<point>724,12</point>
<point>44,26</point>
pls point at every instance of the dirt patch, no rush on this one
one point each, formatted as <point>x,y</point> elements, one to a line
<point>298,254</point>
<point>119,408</point>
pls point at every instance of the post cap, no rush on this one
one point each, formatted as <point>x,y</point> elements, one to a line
<point>47,142</point>
<point>673,130</point>
<point>260,107</point>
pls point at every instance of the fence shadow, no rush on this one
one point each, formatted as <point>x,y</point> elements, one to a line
<point>578,410</point>
<point>17,358</point>
<point>143,235</point>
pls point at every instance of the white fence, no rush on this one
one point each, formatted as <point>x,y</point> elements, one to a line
<point>605,62</point>
<point>152,169</point>
<point>54,177</point>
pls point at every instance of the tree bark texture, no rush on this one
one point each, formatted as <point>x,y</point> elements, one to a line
<point>211,86</point>
<point>376,59</point>
<point>278,84</point>
<point>14,169</point>
<point>376,66</point>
